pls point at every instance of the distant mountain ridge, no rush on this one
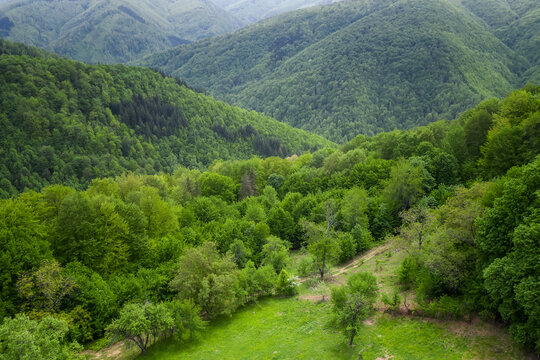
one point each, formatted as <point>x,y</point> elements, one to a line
<point>116,31</point>
<point>250,11</point>
<point>112,31</point>
<point>363,66</point>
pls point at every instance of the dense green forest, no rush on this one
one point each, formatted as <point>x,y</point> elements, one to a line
<point>141,257</point>
<point>367,66</point>
<point>64,122</point>
<point>112,31</point>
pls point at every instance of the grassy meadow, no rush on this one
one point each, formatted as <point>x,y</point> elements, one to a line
<point>299,328</point>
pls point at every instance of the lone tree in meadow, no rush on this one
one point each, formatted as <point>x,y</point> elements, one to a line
<point>353,302</point>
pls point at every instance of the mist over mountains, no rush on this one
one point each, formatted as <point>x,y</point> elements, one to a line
<point>98,31</point>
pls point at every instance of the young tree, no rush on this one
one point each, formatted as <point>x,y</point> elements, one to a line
<point>275,253</point>
<point>352,302</point>
<point>139,322</point>
<point>285,285</point>
<point>416,223</point>
<point>321,241</point>
<point>188,324</point>
<point>45,288</point>
<point>208,278</point>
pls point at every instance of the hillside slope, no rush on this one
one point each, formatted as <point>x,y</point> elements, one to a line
<point>255,10</point>
<point>356,66</point>
<point>66,122</point>
<point>112,31</point>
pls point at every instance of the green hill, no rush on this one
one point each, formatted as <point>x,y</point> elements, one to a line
<point>112,31</point>
<point>66,122</point>
<point>357,66</point>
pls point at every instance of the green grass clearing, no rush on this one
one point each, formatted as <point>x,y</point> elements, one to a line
<point>294,329</point>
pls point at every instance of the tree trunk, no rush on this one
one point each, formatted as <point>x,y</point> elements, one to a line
<point>353,333</point>
<point>323,264</point>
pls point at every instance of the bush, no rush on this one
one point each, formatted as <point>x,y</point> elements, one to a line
<point>362,237</point>
<point>305,266</point>
<point>347,248</point>
<point>285,285</point>
<point>445,307</point>
<point>408,272</point>
<point>393,302</point>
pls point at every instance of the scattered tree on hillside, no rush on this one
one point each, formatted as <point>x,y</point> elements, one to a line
<point>352,302</point>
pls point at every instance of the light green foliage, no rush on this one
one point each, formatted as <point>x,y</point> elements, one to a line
<point>354,208</point>
<point>405,186</point>
<point>513,139</point>
<point>24,339</point>
<point>352,302</point>
<point>322,242</point>
<point>141,322</point>
<point>22,247</point>
<point>281,223</point>
<point>45,288</point>
<point>188,324</point>
<point>285,285</point>
<point>254,211</point>
<point>256,282</point>
<point>240,253</point>
<point>208,278</point>
<point>508,236</point>
<point>347,247</point>
<point>217,185</point>
<point>363,238</point>
<point>275,253</point>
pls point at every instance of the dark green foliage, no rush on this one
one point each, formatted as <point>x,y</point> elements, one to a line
<point>361,66</point>
<point>508,236</point>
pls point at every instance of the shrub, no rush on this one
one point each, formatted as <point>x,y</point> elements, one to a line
<point>285,285</point>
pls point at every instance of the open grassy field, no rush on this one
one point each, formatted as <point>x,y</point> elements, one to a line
<point>294,328</point>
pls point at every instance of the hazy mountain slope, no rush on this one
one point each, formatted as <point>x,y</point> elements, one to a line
<point>112,31</point>
<point>250,11</point>
<point>66,122</point>
<point>354,67</point>
<point>516,23</point>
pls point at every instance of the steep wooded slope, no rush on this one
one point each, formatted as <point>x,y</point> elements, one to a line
<point>66,122</point>
<point>356,66</point>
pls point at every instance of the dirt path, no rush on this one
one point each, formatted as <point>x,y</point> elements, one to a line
<point>354,263</point>
<point>357,262</point>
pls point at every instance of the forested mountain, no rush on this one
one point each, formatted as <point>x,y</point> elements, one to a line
<point>111,31</point>
<point>254,10</point>
<point>66,122</point>
<point>366,66</point>
<point>153,255</point>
